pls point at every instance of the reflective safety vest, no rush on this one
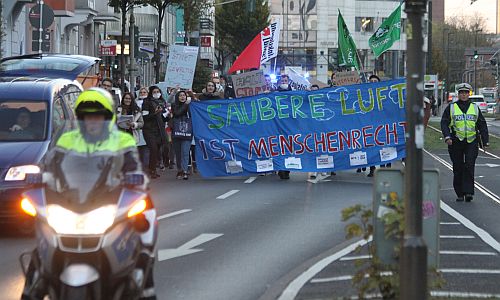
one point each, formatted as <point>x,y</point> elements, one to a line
<point>118,142</point>
<point>464,124</point>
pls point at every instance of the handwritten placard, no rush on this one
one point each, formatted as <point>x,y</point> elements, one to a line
<point>347,78</point>
<point>249,83</point>
<point>181,66</point>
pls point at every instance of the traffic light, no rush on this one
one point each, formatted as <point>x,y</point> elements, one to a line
<point>136,41</point>
<point>475,55</point>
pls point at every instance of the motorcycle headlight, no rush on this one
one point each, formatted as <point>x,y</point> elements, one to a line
<point>64,221</point>
<point>19,173</point>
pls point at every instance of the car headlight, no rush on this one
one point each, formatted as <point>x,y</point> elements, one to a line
<point>64,221</point>
<point>19,173</point>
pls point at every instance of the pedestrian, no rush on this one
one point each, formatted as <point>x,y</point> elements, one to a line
<point>155,115</point>
<point>464,130</point>
<point>210,92</point>
<point>141,144</point>
<point>270,87</point>
<point>107,84</point>
<point>284,86</point>
<point>134,121</point>
<point>182,133</point>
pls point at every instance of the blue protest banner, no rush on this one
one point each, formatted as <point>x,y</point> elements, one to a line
<point>324,130</point>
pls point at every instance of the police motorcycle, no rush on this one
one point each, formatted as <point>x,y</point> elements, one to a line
<point>96,230</point>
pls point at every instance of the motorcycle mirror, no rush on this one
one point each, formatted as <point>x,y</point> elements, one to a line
<point>134,179</point>
<point>36,178</point>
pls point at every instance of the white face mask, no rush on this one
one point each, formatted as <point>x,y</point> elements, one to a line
<point>142,97</point>
<point>157,95</point>
<point>284,86</point>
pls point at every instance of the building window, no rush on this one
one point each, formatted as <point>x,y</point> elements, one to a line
<point>364,24</point>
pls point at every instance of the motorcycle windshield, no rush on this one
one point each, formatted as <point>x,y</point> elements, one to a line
<point>85,164</point>
<point>87,178</point>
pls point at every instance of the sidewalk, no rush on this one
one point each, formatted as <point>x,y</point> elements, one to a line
<point>469,258</point>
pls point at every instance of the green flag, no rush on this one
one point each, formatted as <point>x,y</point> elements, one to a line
<point>347,53</point>
<point>388,32</point>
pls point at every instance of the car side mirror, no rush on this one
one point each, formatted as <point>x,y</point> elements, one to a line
<point>133,179</point>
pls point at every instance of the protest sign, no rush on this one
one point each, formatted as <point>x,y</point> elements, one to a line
<point>181,66</point>
<point>347,78</point>
<point>249,83</point>
<point>297,81</point>
<point>331,129</point>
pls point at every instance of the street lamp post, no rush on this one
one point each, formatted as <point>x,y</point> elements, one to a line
<point>475,57</point>
<point>413,264</point>
<point>132,49</point>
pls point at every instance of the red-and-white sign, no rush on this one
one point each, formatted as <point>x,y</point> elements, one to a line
<point>205,41</point>
<point>108,48</point>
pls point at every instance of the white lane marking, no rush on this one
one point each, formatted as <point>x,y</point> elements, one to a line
<point>461,271</point>
<point>294,287</point>
<point>228,194</point>
<point>450,223</point>
<point>463,295</point>
<point>479,186</point>
<point>173,214</point>
<point>467,253</point>
<point>250,180</point>
<point>484,151</point>
<point>470,271</point>
<point>456,236</point>
<point>355,257</point>
<point>164,254</point>
<point>488,165</point>
<point>342,278</point>
<point>485,236</point>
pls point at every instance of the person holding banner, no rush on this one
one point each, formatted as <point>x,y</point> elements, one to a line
<point>182,133</point>
<point>209,92</point>
<point>284,86</point>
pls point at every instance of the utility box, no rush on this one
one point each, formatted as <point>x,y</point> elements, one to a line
<point>390,183</point>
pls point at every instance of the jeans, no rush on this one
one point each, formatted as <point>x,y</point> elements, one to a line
<point>181,148</point>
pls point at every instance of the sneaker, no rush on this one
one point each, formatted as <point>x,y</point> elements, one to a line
<point>460,199</point>
<point>468,197</point>
<point>358,170</point>
<point>185,176</point>
<point>333,173</point>
<point>370,174</point>
<point>179,175</point>
<point>162,168</point>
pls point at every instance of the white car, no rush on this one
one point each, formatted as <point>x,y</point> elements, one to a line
<point>480,101</point>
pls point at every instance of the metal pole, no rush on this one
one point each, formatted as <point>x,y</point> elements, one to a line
<point>429,38</point>
<point>132,50</point>
<point>475,62</point>
<point>448,84</point>
<point>40,29</point>
<point>413,264</point>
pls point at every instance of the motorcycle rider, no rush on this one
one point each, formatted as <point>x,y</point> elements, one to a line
<point>96,132</point>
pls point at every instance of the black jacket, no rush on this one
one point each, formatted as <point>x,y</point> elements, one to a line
<point>154,124</point>
<point>481,125</point>
<point>209,96</point>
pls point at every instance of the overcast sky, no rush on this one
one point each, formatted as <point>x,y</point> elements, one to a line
<point>487,8</point>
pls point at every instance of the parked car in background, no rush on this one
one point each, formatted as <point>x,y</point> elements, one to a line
<point>37,95</point>
<point>480,101</point>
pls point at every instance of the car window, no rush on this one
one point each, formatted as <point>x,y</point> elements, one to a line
<point>58,118</point>
<point>23,121</point>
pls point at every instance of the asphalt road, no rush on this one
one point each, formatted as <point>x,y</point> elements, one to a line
<point>228,239</point>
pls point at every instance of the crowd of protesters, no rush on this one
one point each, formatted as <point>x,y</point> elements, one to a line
<point>162,126</point>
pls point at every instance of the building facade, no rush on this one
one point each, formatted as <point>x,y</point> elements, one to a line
<point>79,27</point>
<point>309,35</point>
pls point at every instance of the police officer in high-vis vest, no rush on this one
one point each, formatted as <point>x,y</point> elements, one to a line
<point>464,130</point>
